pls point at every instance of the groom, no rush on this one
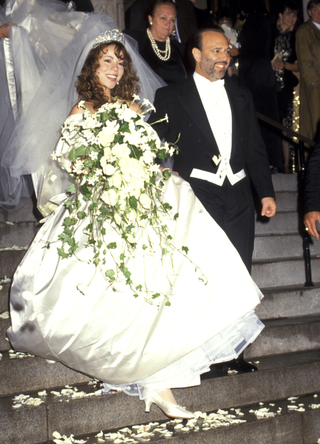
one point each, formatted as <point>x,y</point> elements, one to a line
<point>221,151</point>
<point>220,147</point>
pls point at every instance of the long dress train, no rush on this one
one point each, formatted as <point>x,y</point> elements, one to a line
<point>122,340</point>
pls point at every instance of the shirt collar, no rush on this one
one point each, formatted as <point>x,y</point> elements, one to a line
<point>316,24</point>
<point>205,83</point>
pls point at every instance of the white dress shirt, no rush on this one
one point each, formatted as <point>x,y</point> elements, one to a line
<point>217,107</point>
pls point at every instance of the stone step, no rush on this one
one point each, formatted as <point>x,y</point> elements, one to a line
<point>290,301</point>
<point>279,425</point>
<point>285,182</point>
<point>37,373</point>
<point>17,233</point>
<point>282,273</point>
<point>280,336</point>
<point>27,212</point>
<point>10,259</point>
<point>287,201</point>
<point>289,335</point>
<point>281,223</point>
<point>281,247</point>
<point>280,377</point>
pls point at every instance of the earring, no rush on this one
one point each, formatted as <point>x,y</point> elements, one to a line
<point>150,23</point>
<point>117,83</point>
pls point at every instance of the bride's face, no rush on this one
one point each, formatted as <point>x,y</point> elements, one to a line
<point>110,69</point>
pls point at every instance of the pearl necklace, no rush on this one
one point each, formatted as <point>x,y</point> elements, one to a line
<point>167,51</point>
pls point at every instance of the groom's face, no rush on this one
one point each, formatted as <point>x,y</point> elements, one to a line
<point>213,59</point>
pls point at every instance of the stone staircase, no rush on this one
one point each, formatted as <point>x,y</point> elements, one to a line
<point>254,406</point>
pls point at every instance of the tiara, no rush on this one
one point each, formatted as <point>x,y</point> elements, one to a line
<point>109,36</point>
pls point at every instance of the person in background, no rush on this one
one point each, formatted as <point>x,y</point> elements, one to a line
<point>186,22</point>
<point>285,64</point>
<point>256,74</point>
<point>312,193</point>
<point>308,53</point>
<point>163,54</point>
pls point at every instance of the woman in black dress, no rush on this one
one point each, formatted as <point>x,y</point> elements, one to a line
<point>285,64</point>
<point>162,53</point>
<point>256,73</point>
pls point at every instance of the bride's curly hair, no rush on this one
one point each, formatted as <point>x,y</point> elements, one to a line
<point>90,89</point>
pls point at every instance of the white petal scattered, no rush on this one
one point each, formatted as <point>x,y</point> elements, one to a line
<point>43,393</point>
<point>18,355</point>
<point>4,315</point>
<point>314,406</point>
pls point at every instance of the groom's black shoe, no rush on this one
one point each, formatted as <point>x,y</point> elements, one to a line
<point>241,366</point>
<point>221,369</point>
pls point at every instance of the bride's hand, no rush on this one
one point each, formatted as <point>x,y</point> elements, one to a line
<point>162,169</point>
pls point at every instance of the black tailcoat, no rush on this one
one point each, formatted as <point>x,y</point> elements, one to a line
<point>197,145</point>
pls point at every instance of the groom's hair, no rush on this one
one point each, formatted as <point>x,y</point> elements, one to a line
<point>196,41</point>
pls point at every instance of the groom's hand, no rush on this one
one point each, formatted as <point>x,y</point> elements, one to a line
<point>269,207</point>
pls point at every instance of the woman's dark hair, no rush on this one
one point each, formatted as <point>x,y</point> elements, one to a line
<point>226,12</point>
<point>292,5</point>
<point>90,89</point>
<point>154,3</point>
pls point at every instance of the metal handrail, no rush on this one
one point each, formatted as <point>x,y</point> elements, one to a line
<point>304,234</point>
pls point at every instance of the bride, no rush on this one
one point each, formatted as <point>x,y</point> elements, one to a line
<point>129,280</point>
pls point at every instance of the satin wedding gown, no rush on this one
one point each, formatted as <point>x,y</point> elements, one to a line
<point>125,341</point>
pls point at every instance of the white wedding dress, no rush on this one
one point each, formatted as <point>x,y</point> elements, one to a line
<point>125,341</point>
<point>111,336</point>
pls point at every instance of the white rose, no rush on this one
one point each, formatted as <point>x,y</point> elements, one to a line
<point>107,168</point>
<point>127,165</point>
<point>107,153</point>
<point>120,150</point>
<point>115,180</point>
<point>145,201</point>
<point>110,197</point>
<point>105,136</point>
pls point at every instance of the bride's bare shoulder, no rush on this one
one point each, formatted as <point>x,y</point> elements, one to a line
<point>80,110</point>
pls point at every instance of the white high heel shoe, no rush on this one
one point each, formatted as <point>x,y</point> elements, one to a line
<point>171,410</point>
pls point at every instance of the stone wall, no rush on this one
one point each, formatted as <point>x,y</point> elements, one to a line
<point>112,7</point>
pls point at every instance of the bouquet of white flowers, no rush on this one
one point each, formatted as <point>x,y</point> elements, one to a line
<point>112,159</point>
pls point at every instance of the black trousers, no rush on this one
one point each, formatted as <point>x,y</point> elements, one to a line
<point>232,208</point>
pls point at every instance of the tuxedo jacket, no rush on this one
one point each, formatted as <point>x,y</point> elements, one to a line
<point>312,182</point>
<point>189,126</point>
